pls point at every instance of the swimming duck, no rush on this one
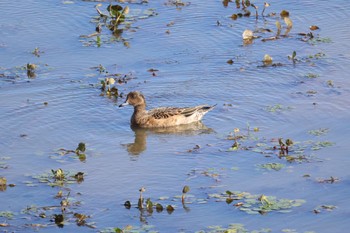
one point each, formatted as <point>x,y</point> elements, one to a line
<point>164,116</point>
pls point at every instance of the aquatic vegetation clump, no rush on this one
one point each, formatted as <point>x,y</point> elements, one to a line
<point>109,82</point>
<point>256,204</point>
<point>150,206</point>
<point>177,3</point>
<point>272,166</point>
<point>289,150</point>
<point>25,72</point>
<point>79,152</point>
<point>58,178</point>
<point>118,21</point>
<point>145,228</point>
<point>61,214</point>
<point>232,228</point>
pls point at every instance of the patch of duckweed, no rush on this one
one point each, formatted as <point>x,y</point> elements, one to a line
<point>256,204</point>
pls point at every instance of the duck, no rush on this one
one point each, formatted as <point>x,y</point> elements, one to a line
<point>163,116</point>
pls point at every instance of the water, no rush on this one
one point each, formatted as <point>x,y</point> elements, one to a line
<point>192,63</point>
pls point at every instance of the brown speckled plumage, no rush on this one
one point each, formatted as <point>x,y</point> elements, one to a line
<point>164,116</point>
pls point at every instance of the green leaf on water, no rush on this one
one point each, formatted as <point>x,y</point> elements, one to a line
<point>7,214</point>
<point>320,145</point>
<point>118,230</point>
<point>277,108</point>
<point>311,75</point>
<point>319,132</point>
<point>272,166</point>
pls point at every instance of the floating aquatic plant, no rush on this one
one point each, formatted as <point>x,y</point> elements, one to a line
<point>37,52</point>
<point>312,75</point>
<point>272,166</point>
<point>20,73</point>
<point>58,178</point>
<point>7,214</point>
<point>277,108</point>
<point>177,3</point>
<point>117,20</point>
<point>146,228</point>
<point>232,228</point>
<point>257,204</point>
<point>79,151</point>
<point>60,214</point>
<point>319,132</point>
<point>328,208</point>
<point>290,150</point>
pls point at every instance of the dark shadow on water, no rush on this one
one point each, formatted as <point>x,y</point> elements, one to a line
<point>140,142</point>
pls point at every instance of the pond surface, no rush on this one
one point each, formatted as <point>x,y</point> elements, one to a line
<point>188,47</point>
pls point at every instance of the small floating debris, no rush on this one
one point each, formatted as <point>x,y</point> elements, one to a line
<point>248,34</point>
<point>267,59</point>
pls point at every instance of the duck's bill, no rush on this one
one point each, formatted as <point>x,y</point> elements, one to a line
<point>123,104</point>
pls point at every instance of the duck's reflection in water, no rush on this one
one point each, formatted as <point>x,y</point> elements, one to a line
<point>140,142</point>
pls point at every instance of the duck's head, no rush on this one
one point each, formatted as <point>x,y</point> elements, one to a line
<point>134,98</point>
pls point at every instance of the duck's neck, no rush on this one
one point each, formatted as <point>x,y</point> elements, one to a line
<point>139,109</point>
<point>139,112</point>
